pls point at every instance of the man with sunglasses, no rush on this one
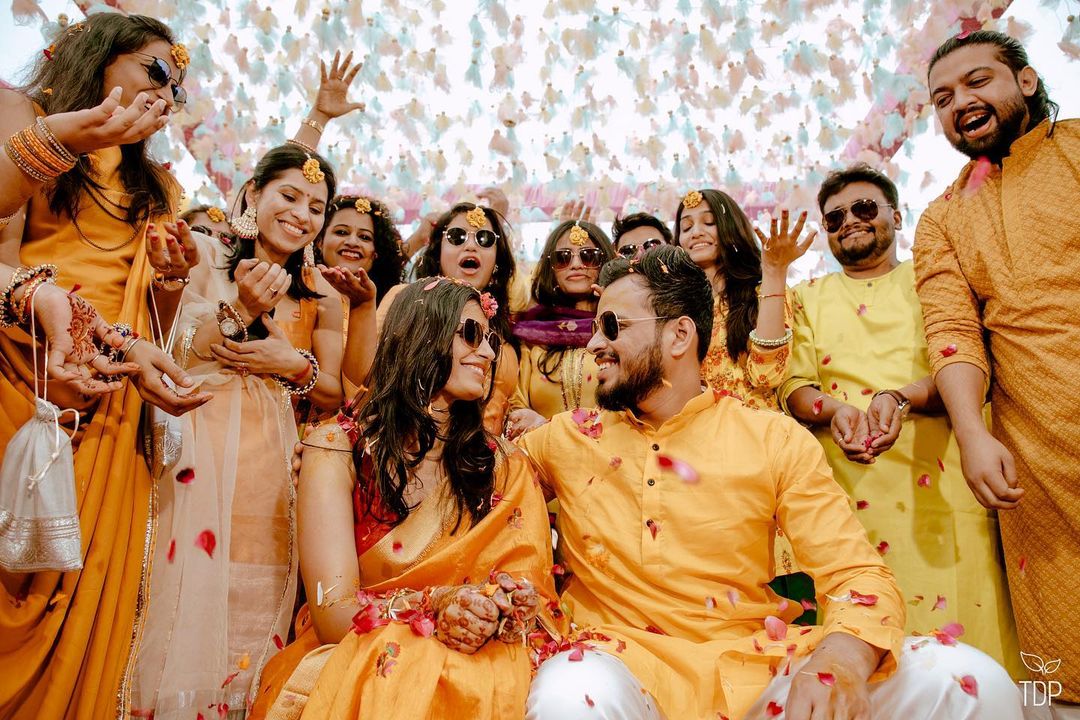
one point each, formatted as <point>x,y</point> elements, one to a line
<point>638,233</point>
<point>997,262</point>
<point>669,500</point>
<point>859,378</point>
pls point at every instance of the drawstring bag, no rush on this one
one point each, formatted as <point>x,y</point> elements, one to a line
<point>39,520</point>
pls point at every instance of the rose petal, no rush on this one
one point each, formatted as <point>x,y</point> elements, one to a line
<point>686,473</point>
<point>576,655</point>
<point>775,628</point>
<point>883,547</point>
<point>826,678</point>
<point>278,643</point>
<point>808,605</point>
<point>207,541</point>
<point>422,625</point>
<point>431,285</point>
<point>229,679</point>
<point>172,550</point>
<point>923,481</point>
<point>733,598</point>
<point>185,476</point>
<point>940,604</point>
<point>589,700</point>
<point>857,598</point>
<point>969,685</point>
<point>773,709</point>
<point>948,351</point>
<point>397,547</point>
<point>826,360</point>
<point>817,405</point>
<point>862,504</point>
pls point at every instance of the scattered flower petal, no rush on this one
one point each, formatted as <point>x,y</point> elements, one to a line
<point>923,481</point>
<point>773,709</point>
<point>775,628</point>
<point>185,476</point>
<point>862,504</point>
<point>171,555</point>
<point>883,547</point>
<point>969,685</point>
<point>688,474</point>
<point>826,678</point>
<point>940,604</point>
<point>206,541</point>
<point>949,350</point>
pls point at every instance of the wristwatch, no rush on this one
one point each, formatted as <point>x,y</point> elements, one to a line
<point>231,323</point>
<point>903,405</point>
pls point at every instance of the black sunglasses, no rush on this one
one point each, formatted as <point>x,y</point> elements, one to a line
<point>629,251</point>
<point>472,332</point>
<point>608,323</point>
<point>458,236</point>
<point>203,229</point>
<point>864,209</point>
<point>591,257</point>
<point>160,75</point>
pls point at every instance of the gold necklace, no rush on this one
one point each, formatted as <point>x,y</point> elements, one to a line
<point>91,243</point>
<point>570,377</point>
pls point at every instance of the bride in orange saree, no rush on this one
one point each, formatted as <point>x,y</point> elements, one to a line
<point>424,541</point>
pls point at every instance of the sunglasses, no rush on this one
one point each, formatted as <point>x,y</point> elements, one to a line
<point>590,257</point>
<point>203,229</point>
<point>160,75</point>
<point>608,323</point>
<point>865,210</point>
<point>629,251</point>
<point>472,332</point>
<point>458,236</point>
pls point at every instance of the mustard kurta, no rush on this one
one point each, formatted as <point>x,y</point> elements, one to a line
<point>571,385</point>
<point>679,571</point>
<point>997,265</point>
<point>855,337</point>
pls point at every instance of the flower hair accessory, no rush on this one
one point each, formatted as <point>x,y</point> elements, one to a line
<point>692,199</point>
<point>578,235</point>
<point>180,56</point>
<point>476,217</point>
<point>489,305</point>
<point>313,172</point>
<point>215,214</point>
<point>363,205</point>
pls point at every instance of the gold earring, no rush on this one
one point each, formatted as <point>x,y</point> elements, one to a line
<point>245,226</point>
<point>309,255</point>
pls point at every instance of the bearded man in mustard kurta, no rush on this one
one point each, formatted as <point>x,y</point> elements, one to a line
<point>669,501</point>
<point>859,378</point>
<point>997,261</point>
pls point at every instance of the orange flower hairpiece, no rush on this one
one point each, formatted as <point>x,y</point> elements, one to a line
<point>489,305</point>
<point>215,214</point>
<point>476,217</point>
<point>313,172</point>
<point>692,199</point>
<point>578,235</point>
<point>180,56</point>
<point>363,205</point>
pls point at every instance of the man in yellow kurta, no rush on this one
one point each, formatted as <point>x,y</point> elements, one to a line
<point>997,258</point>
<point>669,501</point>
<point>859,377</point>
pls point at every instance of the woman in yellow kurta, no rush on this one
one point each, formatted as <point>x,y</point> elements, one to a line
<point>223,584</point>
<point>854,337</point>
<point>470,243</point>
<point>69,637</point>
<point>557,373</point>
<point>751,339</point>
<point>451,556</point>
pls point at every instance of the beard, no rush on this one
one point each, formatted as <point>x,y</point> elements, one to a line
<point>643,376</point>
<point>1010,126</point>
<point>846,255</point>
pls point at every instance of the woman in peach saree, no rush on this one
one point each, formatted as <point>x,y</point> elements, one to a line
<point>424,541</point>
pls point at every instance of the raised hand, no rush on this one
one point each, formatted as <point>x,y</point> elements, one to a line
<point>108,124</point>
<point>575,210</point>
<point>260,286</point>
<point>495,199</point>
<point>357,287</point>
<point>332,100</point>
<point>154,366</point>
<point>171,249</point>
<point>782,247</point>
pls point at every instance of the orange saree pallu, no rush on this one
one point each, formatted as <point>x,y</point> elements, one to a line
<point>391,671</point>
<point>66,639</point>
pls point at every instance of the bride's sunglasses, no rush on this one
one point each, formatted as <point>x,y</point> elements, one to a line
<point>160,75</point>
<point>864,209</point>
<point>472,332</point>
<point>590,257</point>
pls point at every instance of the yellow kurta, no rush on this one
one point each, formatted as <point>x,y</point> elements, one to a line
<point>855,337</point>
<point>997,267</point>
<point>752,377</point>
<point>552,395</point>
<point>678,570</point>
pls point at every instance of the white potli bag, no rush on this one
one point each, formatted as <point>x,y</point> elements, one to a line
<point>39,519</point>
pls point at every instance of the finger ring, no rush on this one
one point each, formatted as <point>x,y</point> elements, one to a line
<point>274,292</point>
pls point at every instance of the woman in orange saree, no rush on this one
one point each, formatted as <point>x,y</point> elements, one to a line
<point>67,638</point>
<point>424,541</point>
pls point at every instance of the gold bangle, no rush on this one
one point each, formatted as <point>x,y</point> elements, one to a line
<point>769,295</point>
<point>299,144</point>
<point>43,154</point>
<point>61,150</point>
<point>314,125</point>
<point>21,162</point>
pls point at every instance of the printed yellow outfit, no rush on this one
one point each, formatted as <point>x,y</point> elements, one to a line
<point>852,338</point>
<point>570,386</point>
<point>678,570</point>
<point>997,263</point>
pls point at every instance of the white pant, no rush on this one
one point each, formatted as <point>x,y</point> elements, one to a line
<point>925,687</point>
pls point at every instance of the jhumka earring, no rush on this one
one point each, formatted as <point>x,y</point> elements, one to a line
<point>245,226</point>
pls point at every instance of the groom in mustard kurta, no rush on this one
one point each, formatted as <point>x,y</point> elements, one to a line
<point>669,501</point>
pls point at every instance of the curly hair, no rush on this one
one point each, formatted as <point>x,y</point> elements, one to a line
<point>388,268</point>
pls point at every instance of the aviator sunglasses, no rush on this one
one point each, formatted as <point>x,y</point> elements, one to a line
<point>864,209</point>
<point>472,332</point>
<point>160,75</point>
<point>629,251</point>
<point>608,323</point>
<point>590,257</point>
<point>458,236</point>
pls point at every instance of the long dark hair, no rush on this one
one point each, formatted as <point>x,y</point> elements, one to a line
<point>499,285</point>
<point>1011,53</point>
<point>739,259</point>
<point>74,79</point>
<point>270,167</point>
<point>412,363</point>
<point>389,264</point>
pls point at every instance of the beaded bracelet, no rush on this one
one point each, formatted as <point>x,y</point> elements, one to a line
<point>291,388</point>
<point>299,144</point>
<point>56,145</point>
<point>22,275</point>
<point>775,343</point>
<point>21,307</point>
<point>314,124</point>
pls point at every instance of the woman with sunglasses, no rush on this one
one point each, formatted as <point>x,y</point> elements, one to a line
<point>557,373</point>
<point>261,330</point>
<point>208,220</point>
<point>638,233</point>
<point>469,242</point>
<point>438,524</point>
<point>88,191</point>
<point>751,337</point>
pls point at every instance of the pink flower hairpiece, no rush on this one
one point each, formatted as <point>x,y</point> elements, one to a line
<point>489,305</point>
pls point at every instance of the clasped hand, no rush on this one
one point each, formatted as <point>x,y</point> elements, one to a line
<point>468,616</point>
